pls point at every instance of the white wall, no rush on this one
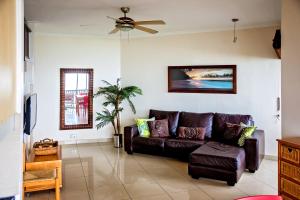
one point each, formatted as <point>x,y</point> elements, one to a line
<point>144,63</point>
<point>52,52</point>
<point>8,41</point>
<point>11,92</point>
<point>290,67</point>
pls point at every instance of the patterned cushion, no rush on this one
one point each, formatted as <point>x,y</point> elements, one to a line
<point>159,128</point>
<point>247,132</point>
<point>172,116</point>
<point>143,127</point>
<point>196,133</point>
<point>205,120</point>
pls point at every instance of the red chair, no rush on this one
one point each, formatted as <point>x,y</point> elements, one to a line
<point>261,197</point>
<point>85,102</point>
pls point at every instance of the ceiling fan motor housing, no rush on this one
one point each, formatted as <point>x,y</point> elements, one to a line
<point>125,23</point>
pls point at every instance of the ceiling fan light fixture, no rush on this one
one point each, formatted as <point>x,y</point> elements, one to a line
<point>125,27</point>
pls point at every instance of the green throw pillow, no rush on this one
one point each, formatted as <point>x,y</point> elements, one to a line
<point>143,127</point>
<point>247,132</point>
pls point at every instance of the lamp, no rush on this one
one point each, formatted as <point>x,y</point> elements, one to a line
<point>234,20</point>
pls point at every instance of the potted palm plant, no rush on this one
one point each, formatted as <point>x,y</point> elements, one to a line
<point>114,96</point>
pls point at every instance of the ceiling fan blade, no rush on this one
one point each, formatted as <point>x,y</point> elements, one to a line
<point>118,20</point>
<point>145,29</point>
<point>154,22</point>
<point>114,31</point>
<point>86,25</point>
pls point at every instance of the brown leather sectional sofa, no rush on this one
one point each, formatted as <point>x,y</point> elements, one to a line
<point>209,158</point>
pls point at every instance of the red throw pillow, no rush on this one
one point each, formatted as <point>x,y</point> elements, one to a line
<point>159,128</point>
<point>192,133</point>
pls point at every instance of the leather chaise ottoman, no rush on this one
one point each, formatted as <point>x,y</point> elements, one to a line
<point>218,161</point>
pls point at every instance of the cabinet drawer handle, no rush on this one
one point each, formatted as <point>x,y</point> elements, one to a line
<point>290,150</point>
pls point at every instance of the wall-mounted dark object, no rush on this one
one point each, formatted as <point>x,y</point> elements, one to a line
<point>27,32</point>
<point>8,198</point>
<point>277,43</point>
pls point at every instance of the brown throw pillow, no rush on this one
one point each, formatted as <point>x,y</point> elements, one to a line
<point>159,128</point>
<point>232,133</point>
<point>192,133</point>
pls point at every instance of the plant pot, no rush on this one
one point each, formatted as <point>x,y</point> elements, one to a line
<point>118,141</point>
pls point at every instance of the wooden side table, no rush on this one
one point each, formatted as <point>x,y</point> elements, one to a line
<point>47,159</point>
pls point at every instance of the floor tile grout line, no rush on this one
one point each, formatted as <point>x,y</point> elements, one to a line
<point>176,168</point>
<point>117,175</point>
<point>197,186</point>
<point>262,182</point>
<point>265,183</point>
<point>152,178</point>
<point>192,183</point>
<point>86,184</point>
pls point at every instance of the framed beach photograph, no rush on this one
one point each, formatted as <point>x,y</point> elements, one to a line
<point>202,79</point>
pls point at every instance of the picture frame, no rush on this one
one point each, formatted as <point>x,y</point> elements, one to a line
<point>62,119</point>
<point>202,79</point>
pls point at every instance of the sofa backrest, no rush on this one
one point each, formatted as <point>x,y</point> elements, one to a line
<point>172,116</point>
<point>220,120</point>
<point>213,122</point>
<point>205,120</point>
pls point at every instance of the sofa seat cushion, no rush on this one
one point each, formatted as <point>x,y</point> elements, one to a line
<point>183,143</point>
<point>204,120</point>
<point>219,155</point>
<point>182,147</point>
<point>148,145</point>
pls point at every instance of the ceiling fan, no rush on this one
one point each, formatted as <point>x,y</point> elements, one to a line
<point>127,24</point>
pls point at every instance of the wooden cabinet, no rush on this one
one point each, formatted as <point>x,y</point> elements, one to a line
<point>289,168</point>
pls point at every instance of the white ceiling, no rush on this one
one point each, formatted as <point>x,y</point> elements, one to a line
<point>181,16</point>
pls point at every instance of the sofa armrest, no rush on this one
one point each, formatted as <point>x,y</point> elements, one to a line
<point>255,150</point>
<point>129,133</point>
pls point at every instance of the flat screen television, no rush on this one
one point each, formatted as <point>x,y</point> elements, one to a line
<point>30,113</point>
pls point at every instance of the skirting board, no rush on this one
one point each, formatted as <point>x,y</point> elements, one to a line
<point>84,141</point>
<point>271,157</point>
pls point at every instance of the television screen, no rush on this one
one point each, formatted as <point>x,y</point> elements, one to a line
<point>30,113</point>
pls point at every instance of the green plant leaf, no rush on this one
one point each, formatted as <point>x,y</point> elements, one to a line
<point>131,105</point>
<point>106,82</point>
<point>114,96</point>
<point>104,118</point>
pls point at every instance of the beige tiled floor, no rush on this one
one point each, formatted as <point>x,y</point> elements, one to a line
<point>99,171</point>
